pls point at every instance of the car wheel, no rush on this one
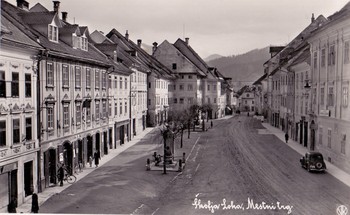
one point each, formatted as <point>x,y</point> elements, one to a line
<point>318,165</point>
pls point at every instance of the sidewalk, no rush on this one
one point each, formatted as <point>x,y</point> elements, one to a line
<point>331,169</point>
<point>48,192</point>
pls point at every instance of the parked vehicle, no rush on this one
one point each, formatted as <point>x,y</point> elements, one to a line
<point>313,161</point>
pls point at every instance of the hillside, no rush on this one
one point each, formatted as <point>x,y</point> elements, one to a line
<point>243,69</point>
<point>212,57</point>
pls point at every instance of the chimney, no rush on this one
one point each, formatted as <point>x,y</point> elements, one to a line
<point>312,18</point>
<point>56,6</point>
<point>64,16</point>
<point>127,35</point>
<point>139,42</point>
<point>23,4</point>
<point>155,44</point>
<point>186,40</point>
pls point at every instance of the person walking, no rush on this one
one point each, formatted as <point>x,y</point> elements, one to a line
<point>211,124</point>
<point>96,157</point>
<point>35,203</point>
<point>286,137</point>
<point>90,161</point>
<point>61,174</point>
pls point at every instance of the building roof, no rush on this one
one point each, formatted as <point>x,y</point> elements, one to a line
<point>62,49</point>
<point>303,57</point>
<point>10,33</point>
<point>38,8</point>
<point>260,79</point>
<point>191,55</point>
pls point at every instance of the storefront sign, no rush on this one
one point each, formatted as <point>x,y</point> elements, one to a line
<point>8,167</point>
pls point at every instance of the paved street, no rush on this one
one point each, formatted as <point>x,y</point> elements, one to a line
<point>232,161</point>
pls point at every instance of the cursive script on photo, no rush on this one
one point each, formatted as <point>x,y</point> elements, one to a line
<point>250,204</point>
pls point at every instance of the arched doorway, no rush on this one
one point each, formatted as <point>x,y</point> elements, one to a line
<point>50,167</point>
<point>68,156</point>
<point>89,147</point>
<point>105,143</point>
<point>98,142</point>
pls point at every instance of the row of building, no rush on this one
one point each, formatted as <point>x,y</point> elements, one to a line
<point>304,90</point>
<point>66,93</point>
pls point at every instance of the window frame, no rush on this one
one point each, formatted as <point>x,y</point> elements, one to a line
<point>65,76</point>
<point>15,85</point>
<point>28,85</point>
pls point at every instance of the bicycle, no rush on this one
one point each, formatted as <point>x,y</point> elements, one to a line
<point>67,177</point>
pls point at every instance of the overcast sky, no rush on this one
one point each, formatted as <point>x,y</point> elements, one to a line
<point>225,27</point>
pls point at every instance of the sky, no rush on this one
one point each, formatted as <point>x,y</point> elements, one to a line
<point>224,27</point>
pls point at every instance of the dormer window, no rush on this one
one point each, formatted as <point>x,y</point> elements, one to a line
<point>53,33</point>
<point>84,43</point>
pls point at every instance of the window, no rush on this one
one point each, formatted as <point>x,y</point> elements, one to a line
<point>2,84</point>
<point>208,87</point>
<point>323,57</point>
<point>29,128</point>
<point>245,102</point>
<point>49,74</point>
<point>306,107</point>
<point>84,43</point>
<point>174,86</point>
<point>322,96</point>
<point>110,109</point>
<point>174,66</point>
<point>104,109</point>
<point>175,100</point>
<point>120,108</point>
<point>53,33</point>
<point>65,115</point>
<point>346,52</point>
<point>116,82</point>
<point>110,82</point>
<point>181,100</point>
<point>315,60</point>
<point>214,87</point>
<point>190,77</point>
<point>126,107</point>
<point>331,55</point>
<point>247,95</point>
<point>97,111</point>
<point>50,117</point>
<point>208,100</point>
<point>320,135</point>
<point>104,80</point>
<point>2,133</point>
<point>297,81</point>
<point>16,131</point>
<point>182,76</point>
<point>97,79</point>
<point>149,101</point>
<point>189,87</point>
<point>28,85</point>
<point>149,84</point>
<point>121,83</point>
<point>88,78</point>
<point>15,85</point>
<point>126,83</point>
<point>190,100</point>
<point>329,142</point>
<point>88,112</point>
<point>214,100</point>
<point>78,113</point>
<point>345,96</point>
<point>65,75</point>
<point>330,96</point>
<point>181,87</point>
<point>77,77</point>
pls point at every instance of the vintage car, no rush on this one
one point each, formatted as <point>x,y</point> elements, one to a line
<point>313,161</point>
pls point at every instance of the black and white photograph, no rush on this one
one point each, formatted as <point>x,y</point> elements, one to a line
<point>175,107</point>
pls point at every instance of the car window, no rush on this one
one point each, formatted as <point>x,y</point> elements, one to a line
<point>316,157</point>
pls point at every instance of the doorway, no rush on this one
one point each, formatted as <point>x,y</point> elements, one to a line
<point>28,178</point>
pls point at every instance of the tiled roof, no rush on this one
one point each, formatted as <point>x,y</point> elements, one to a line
<point>11,33</point>
<point>303,57</point>
<point>260,79</point>
<point>38,8</point>
<point>60,48</point>
<point>190,54</point>
<point>38,17</point>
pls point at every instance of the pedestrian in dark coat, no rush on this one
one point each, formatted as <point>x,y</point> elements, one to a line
<point>35,203</point>
<point>211,124</point>
<point>61,174</point>
<point>96,157</point>
<point>286,136</point>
